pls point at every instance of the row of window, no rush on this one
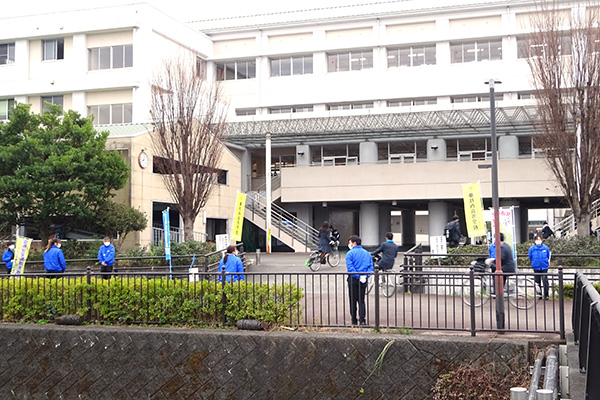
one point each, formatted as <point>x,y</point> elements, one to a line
<point>7,53</point>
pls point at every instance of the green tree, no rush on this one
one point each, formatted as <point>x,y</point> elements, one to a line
<point>55,167</point>
<point>120,219</point>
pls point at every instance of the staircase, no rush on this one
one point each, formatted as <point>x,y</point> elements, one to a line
<point>284,226</point>
<point>568,227</point>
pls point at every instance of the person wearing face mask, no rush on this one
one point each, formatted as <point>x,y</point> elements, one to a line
<point>539,256</point>
<point>106,257</point>
<point>54,259</point>
<point>8,257</point>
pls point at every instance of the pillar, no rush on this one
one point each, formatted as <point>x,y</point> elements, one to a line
<point>438,217</point>
<point>367,152</point>
<point>303,155</point>
<point>246,171</point>
<point>524,225</point>
<point>385,221</point>
<point>436,150</point>
<point>508,147</point>
<point>369,224</point>
<point>409,235</point>
<point>79,102</point>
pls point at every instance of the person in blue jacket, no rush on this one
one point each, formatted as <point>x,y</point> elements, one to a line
<point>8,257</point>
<point>106,257</point>
<point>232,263</point>
<point>358,264</point>
<point>54,259</point>
<point>539,256</point>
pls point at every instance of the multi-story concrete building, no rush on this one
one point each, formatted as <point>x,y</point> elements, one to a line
<point>371,109</point>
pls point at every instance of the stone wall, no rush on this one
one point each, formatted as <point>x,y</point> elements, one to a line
<point>92,362</point>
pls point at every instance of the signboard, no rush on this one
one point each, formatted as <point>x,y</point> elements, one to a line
<point>437,245</point>
<point>222,241</point>
<point>21,252</point>
<point>473,209</point>
<point>194,276</point>
<point>238,217</point>
<point>507,227</point>
<point>167,233</point>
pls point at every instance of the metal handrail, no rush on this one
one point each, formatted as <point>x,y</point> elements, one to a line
<point>567,224</point>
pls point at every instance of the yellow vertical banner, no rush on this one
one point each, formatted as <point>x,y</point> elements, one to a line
<point>21,252</point>
<point>238,217</point>
<point>473,209</point>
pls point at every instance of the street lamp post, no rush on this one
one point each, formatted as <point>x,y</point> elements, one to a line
<point>268,190</point>
<point>496,207</point>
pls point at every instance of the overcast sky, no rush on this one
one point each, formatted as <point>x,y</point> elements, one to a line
<point>187,10</point>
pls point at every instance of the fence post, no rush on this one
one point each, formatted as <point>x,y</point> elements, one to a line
<point>89,293</point>
<point>376,284</point>
<point>561,302</point>
<point>205,263</point>
<point>223,297</point>
<point>472,297</point>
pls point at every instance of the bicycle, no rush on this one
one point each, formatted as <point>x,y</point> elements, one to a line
<point>387,284</point>
<point>333,259</point>
<point>522,292</point>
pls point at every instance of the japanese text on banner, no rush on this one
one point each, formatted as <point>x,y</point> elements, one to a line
<point>473,209</point>
<point>238,217</point>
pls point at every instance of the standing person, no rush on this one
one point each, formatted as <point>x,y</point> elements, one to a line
<point>106,257</point>
<point>54,259</point>
<point>452,232</point>
<point>358,262</point>
<point>388,250</point>
<point>539,256</point>
<point>546,231</point>
<point>232,263</point>
<point>506,256</point>
<point>9,256</point>
<point>324,239</point>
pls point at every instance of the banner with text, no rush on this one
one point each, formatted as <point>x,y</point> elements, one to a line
<point>21,252</point>
<point>238,217</point>
<point>473,209</point>
<point>507,227</point>
<point>167,233</point>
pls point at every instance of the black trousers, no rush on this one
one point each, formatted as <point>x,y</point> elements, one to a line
<point>356,292</point>
<point>542,278</point>
<point>106,268</point>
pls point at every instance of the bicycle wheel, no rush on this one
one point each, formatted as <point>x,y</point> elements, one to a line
<point>387,285</point>
<point>334,258</point>
<point>481,292</point>
<point>314,261</point>
<point>522,292</point>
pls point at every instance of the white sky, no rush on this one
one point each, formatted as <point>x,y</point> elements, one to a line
<point>186,10</point>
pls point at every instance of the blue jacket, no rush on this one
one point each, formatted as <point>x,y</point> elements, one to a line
<point>233,264</point>
<point>7,258</point>
<point>106,254</point>
<point>539,257</point>
<point>54,260</point>
<point>359,260</point>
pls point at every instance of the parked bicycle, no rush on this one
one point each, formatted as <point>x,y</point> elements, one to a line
<point>521,291</point>
<point>333,258</point>
<point>387,282</point>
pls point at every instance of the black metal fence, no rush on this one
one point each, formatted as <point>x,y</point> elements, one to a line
<point>586,329</point>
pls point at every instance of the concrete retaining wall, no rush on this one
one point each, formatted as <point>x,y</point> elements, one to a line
<point>56,362</point>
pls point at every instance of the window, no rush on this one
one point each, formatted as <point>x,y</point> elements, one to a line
<point>56,100</point>
<point>164,166</point>
<point>200,68</point>
<point>471,99</point>
<point>111,57</point>
<point>6,107</point>
<point>7,53</point>
<point>297,65</point>
<point>289,110</point>
<point>411,102</point>
<point>528,49</point>
<point>350,61</point>
<point>111,113</point>
<point>412,56</point>
<point>236,70</point>
<point>247,111</point>
<point>349,106</point>
<point>53,49</point>
<point>527,96</point>
<point>476,51</point>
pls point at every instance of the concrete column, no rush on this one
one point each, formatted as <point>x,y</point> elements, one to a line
<point>409,235</point>
<point>436,150</point>
<point>246,171</point>
<point>385,221</point>
<point>22,59</point>
<point>369,224</point>
<point>524,225</point>
<point>367,152</point>
<point>143,62</point>
<point>438,217</point>
<point>79,103</point>
<point>508,147</point>
<point>303,155</point>
<point>80,56</point>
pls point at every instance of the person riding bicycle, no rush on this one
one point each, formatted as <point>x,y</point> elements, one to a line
<point>334,237</point>
<point>506,256</point>
<point>324,241</point>
<point>388,251</point>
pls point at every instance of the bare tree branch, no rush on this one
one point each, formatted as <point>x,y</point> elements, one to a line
<point>189,117</point>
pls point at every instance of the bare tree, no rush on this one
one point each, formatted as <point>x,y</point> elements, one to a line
<point>563,52</point>
<point>189,116</point>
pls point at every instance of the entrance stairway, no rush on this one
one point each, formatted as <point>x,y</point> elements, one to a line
<point>568,227</point>
<point>284,226</point>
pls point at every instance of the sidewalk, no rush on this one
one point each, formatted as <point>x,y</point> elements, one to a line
<point>289,262</point>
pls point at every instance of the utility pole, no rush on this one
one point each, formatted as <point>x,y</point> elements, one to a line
<point>268,189</point>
